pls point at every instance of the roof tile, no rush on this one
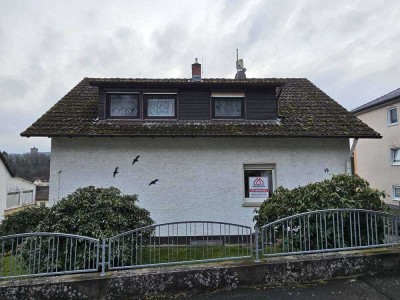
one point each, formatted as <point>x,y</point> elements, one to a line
<point>306,112</point>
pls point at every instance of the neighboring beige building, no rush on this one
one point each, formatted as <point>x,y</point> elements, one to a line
<point>378,160</point>
<point>15,193</point>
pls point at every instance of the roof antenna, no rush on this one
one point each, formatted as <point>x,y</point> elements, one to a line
<point>240,74</point>
<point>237,59</point>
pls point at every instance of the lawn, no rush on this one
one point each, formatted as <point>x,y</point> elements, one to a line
<point>11,266</point>
<point>178,253</point>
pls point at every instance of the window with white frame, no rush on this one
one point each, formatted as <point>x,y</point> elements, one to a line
<point>395,156</point>
<point>259,183</point>
<point>392,116</point>
<point>227,105</point>
<point>396,192</point>
<point>27,197</point>
<point>13,199</point>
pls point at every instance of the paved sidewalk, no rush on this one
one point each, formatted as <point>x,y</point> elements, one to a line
<point>365,288</point>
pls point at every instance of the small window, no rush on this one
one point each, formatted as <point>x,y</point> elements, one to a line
<point>227,105</point>
<point>396,192</point>
<point>258,183</point>
<point>160,106</point>
<point>13,199</point>
<point>123,106</point>
<point>392,116</point>
<point>395,156</point>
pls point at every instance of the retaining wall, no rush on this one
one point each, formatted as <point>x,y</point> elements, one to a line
<point>136,284</point>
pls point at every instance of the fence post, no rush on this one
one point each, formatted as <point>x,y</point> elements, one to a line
<point>256,241</point>
<point>103,258</point>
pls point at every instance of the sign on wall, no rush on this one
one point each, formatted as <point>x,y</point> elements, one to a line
<point>258,187</point>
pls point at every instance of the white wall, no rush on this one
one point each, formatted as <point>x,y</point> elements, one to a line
<point>3,188</point>
<point>199,178</point>
<point>11,184</point>
<point>373,161</point>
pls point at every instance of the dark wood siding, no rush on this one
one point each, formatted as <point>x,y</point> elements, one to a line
<point>102,105</point>
<point>261,105</point>
<point>194,105</point>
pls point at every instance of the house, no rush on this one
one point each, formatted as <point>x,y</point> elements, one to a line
<point>15,193</point>
<point>379,160</point>
<point>204,149</point>
<point>42,195</point>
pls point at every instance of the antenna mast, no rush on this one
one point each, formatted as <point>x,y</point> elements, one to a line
<point>237,58</point>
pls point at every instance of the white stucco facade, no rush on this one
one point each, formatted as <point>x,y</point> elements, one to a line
<point>373,156</point>
<point>199,178</point>
<point>10,184</point>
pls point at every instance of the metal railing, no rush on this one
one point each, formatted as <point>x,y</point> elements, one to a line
<point>43,253</point>
<point>329,230</point>
<point>178,243</point>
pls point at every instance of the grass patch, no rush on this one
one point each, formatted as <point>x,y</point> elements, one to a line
<point>12,266</point>
<point>178,253</point>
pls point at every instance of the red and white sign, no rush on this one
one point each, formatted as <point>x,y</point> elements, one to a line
<point>258,187</point>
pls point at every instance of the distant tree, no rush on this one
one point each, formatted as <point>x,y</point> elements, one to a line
<point>30,167</point>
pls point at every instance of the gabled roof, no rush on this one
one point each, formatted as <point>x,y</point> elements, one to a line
<point>378,101</point>
<point>305,111</point>
<point>3,159</point>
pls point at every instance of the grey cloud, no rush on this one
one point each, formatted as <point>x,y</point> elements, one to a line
<point>13,88</point>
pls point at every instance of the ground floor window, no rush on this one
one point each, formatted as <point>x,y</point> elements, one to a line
<point>259,183</point>
<point>396,192</point>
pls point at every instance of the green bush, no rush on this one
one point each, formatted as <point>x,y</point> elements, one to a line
<point>95,212</point>
<point>342,191</point>
<point>25,220</point>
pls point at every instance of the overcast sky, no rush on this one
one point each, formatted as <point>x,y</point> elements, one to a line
<point>350,49</point>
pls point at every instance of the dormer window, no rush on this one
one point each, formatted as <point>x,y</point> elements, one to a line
<point>227,105</point>
<point>160,106</point>
<point>123,106</point>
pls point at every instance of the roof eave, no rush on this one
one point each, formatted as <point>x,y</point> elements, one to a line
<point>200,135</point>
<point>362,109</point>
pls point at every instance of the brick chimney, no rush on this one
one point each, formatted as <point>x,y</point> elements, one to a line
<point>196,71</point>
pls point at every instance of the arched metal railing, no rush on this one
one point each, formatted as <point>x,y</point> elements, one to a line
<point>329,230</point>
<point>44,253</point>
<point>179,242</point>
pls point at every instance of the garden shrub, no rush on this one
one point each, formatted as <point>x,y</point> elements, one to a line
<point>341,191</point>
<point>95,212</point>
<point>25,220</point>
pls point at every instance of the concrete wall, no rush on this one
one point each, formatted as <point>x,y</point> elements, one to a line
<point>373,155</point>
<point>199,178</point>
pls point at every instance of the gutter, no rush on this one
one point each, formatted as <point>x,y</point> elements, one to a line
<point>348,160</point>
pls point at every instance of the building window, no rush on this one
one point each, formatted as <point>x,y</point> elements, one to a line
<point>13,199</point>
<point>160,106</point>
<point>123,106</point>
<point>27,197</point>
<point>259,183</point>
<point>227,105</point>
<point>395,156</point>
<point>396,192</point>
<point>392,116</point>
